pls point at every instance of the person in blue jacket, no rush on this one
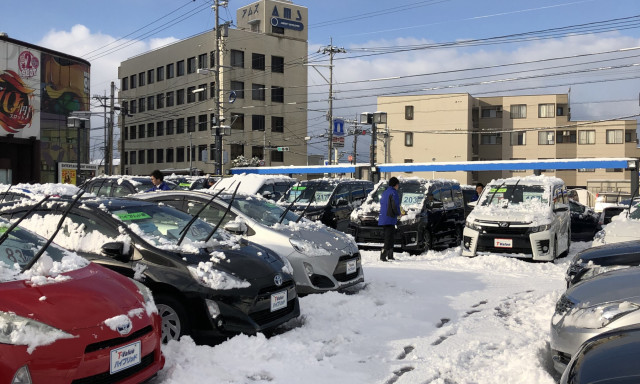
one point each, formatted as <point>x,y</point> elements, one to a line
<point>157,179</point>
<point>388,217</point>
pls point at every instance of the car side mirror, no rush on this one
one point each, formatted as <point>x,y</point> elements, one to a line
<point>561,209</point>
<point>235,227</point>
<point>115,250</point>
<point>472,203</point>
<point>267,194</point>
<point>435,204</point>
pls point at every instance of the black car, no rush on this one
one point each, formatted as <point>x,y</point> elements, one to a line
<point>434,216</point>
<point>584,221</point>
<point>329,201</point>
<point>117,186</point>
<point>611,357</point>
<point>209,289</point>
<point>597,260</point>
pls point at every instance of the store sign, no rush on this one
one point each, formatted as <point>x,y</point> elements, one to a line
<point>286,19</point>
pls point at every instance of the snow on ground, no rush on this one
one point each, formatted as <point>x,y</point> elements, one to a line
<point>435,318</point>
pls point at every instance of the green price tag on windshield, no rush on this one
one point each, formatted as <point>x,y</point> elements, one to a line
<point>133,216</point>
<point>299,188</point>
<point>501,190</point>
<point>185,184</point>
<point>4,229</point>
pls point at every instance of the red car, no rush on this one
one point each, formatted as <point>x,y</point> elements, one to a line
<point>66,320</point>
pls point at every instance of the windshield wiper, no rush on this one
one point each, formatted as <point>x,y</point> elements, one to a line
<point>313,197</point>
<point>50,240</point>
<point>4,194</point>
<point>494,193</point>
<point>283,214</point>
<point>5,235</point>
<point>183,231</point>
<point>224,214</point>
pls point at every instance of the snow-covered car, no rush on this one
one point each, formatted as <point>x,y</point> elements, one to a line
<point>117,186</point>
<point>323,259</point>
<point>9,192</point>
<point>526,217</point>
<point>602,303</point>
<point>205,283</point>
<point>434,216</point>
<point>623,227</point>
<point>596,260</point>
<point>66,320</point>
<point>270,187</point>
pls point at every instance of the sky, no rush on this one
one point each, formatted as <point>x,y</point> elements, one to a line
<point>427,47</point>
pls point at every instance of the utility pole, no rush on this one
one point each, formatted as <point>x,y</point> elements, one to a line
<point>109,166</point>
<point>219,118</point>
<point>103,102</point>
<point>332,51</point>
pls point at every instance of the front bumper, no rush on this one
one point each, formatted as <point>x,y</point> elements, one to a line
<point>407,237</point>
<point>565,342</point>
<point>317,274</point>
<point>516,243</point>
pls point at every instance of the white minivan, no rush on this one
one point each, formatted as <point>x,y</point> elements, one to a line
<point>525,217</point>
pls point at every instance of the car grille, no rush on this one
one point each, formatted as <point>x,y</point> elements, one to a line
<point>340,273</point>
<point>564,304</point>
<point>107,378</point>
<point>266,316</point>
<point>118,341</point>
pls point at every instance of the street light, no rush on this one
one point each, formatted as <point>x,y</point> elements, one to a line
<point>374,119</point>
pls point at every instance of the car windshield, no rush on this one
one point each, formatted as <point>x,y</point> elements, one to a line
<point>163,223</point>
<point>319,192</point>
<point>21,246</point>
<point>634,212</point>
<point>498,195</point>
<point>410,193</point>
<point>264,212</point>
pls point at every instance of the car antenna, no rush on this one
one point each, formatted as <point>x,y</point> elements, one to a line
<point>224,214</point>
<point>313,197</point>
<point>283,214</point>
<point>183,231</point>
<point>17,222</point>
<point>4,194</point>
<point>50,240</point>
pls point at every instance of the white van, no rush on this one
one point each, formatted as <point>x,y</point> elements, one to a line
<point>526,217</point>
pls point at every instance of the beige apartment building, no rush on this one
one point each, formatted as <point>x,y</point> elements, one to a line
<point>169,94</point>
<point>460,127</point>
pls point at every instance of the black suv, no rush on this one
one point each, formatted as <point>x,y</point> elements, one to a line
<point>434,213</point>
<point>117,186</point>
<point>330,201</point>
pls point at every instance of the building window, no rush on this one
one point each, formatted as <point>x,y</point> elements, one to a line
<point>126,133</point>
<point>191,124</point>
<point>277,64</point>
<point>191,65</point>
<point>586,137</point>
<point>212,90</point>
<point>202,95</point>
<point>257,91</point>
<point>257,123</point>
<point>180,97</point>
<point>126,158</point>
<point>180,154</point>
<point>160,128</point>
<point>151,103</point>
<point>490,138</point>
<point>566,137</point>
<point>202,61</point>
<point>277,94</point>
<point>141,131</point>
<point>519,111</point>
<point>202,153</point>
<point>160,73</point>
<point>518,138</point>
<point>150,156</point>
<point>236,150</point>
<point>614,170</point>
<point>546,138</point>
<point>180,68</point>
<point>160,100</point>
<point>125,83</point>
<point>151,76</point>
<point>171,71</point>
<point>169,155</point>
<point>238,88</point>
<point>212,59</point>
<point>134,106</point>
<point>180,126</point>
<point>277,30</point>
<point>133,157</point>
<point>237,121</point>
<point>202,123</point>
<point>169,99</point>
<point>408,112</point>
<point>141,156</point>
<point>277,156</point>
<point>237,58</point>
<point>170,127</point>
<point>546,110</point>
<point>191,97</point>
<point>133,133</point>
<point>159,156</point>
<point>151,130</point>
<point>141,78</point>
<point>629,136</point>
<point>277,124</point>
<point>257,61</point>
<point>492,112</point>
<point>134,81</point>
<point>408,139</point>
<point>212,152</point>
<point>614,136</point>
<point>141,105</point>
<point>257,151</point>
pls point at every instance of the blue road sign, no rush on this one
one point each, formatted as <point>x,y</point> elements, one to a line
<point>338,127</point>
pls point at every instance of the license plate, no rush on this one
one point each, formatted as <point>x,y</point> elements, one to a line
<point>278,300</point>
<point>503,243</point>
<point>125,357</point>
<point>352,266</point>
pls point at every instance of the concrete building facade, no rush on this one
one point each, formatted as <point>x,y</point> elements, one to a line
<point>169,95</point>
<point>460,127</point>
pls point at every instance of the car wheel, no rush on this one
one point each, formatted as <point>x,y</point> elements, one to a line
<point>174,319</point>
<point>427,241</point>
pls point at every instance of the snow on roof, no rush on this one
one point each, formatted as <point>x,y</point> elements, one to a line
<point>529,180</point>
<point>250,183</point>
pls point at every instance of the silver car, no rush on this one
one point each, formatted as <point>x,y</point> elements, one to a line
<point>602,303</point>
<point>323,259</point>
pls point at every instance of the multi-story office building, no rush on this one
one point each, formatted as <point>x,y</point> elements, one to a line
<point>460,127</point>
<point>169,94</point>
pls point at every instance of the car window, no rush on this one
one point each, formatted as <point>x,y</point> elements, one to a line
<point>458,200</point>
<point>447,197</point>
<point>358,191</point>
<point>212,214</point>
<point>514,194</point>
<point>121,190</point>
<point>21,246</point>
<point>342,192</point>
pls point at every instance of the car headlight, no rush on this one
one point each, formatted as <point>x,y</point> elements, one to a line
<point>409,220</point>
<point>598,238</point>
<point>599,316</point>
<point>540,228</point>
<point>18,330</point>
<point>307,248</point>
<point>287,268</point>
<point>208,276</point>
<point>473,225</point>
<point>314,217</point>
<point>356,220</point>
